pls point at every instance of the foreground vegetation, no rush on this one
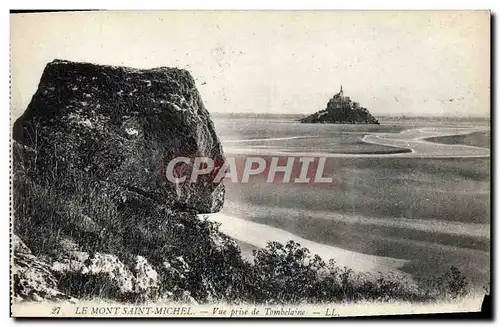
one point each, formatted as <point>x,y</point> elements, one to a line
<point>133,249</point>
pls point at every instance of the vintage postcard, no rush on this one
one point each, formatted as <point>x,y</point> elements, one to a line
<point>256,164</point>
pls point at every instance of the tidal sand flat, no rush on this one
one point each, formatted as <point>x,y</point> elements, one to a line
<point>479,139</point>
<point>427,207</point>
<point>257,235</point>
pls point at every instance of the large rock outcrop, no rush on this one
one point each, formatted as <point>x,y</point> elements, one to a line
<point>93,209</point>
<point>123,126</point>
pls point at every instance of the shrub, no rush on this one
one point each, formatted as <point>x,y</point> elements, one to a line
<point>452,284</point>
<point>290,274</point>
<point>285,273</point>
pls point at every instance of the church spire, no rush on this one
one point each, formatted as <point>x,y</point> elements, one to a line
<point>341,90</point>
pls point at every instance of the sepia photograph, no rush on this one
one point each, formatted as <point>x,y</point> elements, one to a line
<point>250,164</point>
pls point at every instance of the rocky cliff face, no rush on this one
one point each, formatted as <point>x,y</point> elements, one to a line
<point>94,212</point>
<point>122,125</point>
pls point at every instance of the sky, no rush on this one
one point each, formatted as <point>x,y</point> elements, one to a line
<point>406,62</point>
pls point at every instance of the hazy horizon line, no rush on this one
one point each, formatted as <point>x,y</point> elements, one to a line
<point>410,115</point>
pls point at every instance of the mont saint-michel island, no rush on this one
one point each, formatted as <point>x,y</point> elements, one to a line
<point>341,110</point>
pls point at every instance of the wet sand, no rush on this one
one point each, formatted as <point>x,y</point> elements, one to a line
<point>418,212</point>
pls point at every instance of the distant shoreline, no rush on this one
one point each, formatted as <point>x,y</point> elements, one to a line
<point>381,117</point>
